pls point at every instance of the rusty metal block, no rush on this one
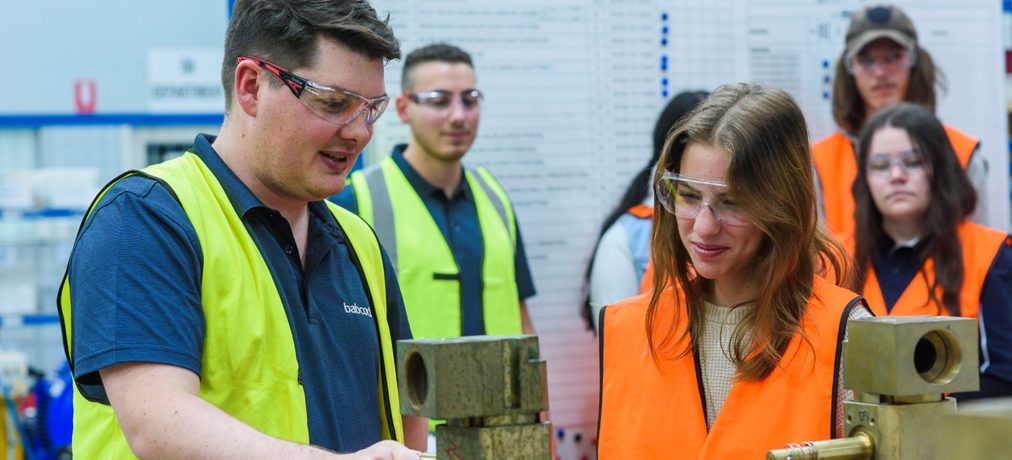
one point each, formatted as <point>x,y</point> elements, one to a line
<point>511,442</point>
<point>468,377</point>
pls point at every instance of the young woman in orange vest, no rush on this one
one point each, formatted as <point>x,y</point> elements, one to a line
<point>882,64</point>
<point>738,352</point>
<point>616,270</point>
<point>915,252</point>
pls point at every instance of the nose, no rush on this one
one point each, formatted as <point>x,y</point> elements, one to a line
<point>457,110</point>
<point>706,222</point>
<point>897,173</point>
<point>879,68</point>
<point>356,130</point>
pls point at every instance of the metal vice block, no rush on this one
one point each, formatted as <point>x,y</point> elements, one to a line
<point>475,376</point>
<point>489,389</point>
<point>509,442</point>
<point>900,431</point>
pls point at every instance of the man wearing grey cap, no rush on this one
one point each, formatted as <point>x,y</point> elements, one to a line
<point>882,64</point>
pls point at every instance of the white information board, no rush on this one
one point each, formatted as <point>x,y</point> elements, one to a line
<point>573,88</point>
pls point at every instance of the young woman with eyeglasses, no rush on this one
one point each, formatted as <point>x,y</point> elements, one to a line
<point>738,352</point>
<point>916,253</point>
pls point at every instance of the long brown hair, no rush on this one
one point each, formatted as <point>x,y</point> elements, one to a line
<point>637,190</point>
<point>952,200</point>
<point>770,175</point>
<point>849,109</point>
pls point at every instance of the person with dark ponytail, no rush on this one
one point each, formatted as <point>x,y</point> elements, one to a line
<point>622,251</point>
<point>915,251</point>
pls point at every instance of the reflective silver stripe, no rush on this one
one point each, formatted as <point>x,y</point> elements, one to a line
<point>382,210</point>
<point>500,207</point>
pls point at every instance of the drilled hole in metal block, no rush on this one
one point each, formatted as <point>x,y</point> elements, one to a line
<point>938,356</point>
<point>418,380</point>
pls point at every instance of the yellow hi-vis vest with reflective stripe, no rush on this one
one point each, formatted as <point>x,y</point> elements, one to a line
<point>426,269</point>
<point>249,367</point>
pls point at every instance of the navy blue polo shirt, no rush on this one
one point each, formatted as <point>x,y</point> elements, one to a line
<point>458,213</point>
<point>135,278</point>
<point>897,265</point>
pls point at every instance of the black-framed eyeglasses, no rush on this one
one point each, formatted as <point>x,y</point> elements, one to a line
<point>332,104</point>
<point>441,100</point>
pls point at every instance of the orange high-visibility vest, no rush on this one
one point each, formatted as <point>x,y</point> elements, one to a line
<point>980,246</point>
<point>647,283</point>
<point>836,164</point>
<point>654,409</point>
<point>642,211</point>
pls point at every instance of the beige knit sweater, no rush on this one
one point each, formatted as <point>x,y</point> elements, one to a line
<point>715,363</point>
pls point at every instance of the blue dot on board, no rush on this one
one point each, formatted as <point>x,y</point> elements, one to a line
<point>825,94</point>
<point>664,16</point>
<point>825,64</point>
<point>664,29</point>
<point>664,92</point>
<point>664,81</point>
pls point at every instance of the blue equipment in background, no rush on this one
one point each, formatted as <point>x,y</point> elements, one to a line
<point>47,414</point>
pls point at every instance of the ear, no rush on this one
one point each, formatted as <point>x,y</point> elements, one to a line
<point>247,87</point>
<point>402,107</point>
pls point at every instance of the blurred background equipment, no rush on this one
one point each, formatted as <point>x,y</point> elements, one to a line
<point>37,408</point>
<point>979,430</point>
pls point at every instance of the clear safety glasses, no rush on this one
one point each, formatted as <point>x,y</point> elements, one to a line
<point>911,162</point>
<point>332,104</point>
<point>685,196</point>
<point>889,60</point>
<point>440,100</point>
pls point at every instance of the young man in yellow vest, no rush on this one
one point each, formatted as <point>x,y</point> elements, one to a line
<point>881,65</point>
<point>214,305</point>
<point>450,230</point>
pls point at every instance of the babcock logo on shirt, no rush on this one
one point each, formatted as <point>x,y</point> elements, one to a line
<point>354,308</point>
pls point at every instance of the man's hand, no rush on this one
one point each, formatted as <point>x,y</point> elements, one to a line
<point>526,325</point>
<point>162,415</point>
<point>387,450</point>
<point>416,432</point>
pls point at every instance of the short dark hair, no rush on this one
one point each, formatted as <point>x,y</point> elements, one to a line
<point>285,32</point>
<point>436,52</point>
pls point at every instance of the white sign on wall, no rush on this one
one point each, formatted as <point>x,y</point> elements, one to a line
<point>184,80</point>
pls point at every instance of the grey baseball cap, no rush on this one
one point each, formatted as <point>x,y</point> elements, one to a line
<point>879,20</point>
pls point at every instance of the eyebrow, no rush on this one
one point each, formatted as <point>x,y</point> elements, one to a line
<point>338,88</point>
<point>722,194</point>
<point>446,91</point>
<point>690,179</point>
<point>899,154</point>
